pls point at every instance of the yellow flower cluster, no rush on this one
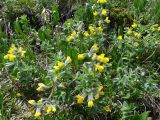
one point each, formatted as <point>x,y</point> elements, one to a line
<point>154,28</point>
<point>62,64</point>
<point>21,51</point>
<point>59,66</point>
<point>92,30</point>
<point>103,13</point>
<point>72,36</point>
<point>12,51</point>
<point>10,56</point>
<point>100,92</point>
<point>101,58</point>
<point>94,48</point>
<point>47,108</point>
<point>137,35</point>
<point>80,99</point>
<point>41,87</point>
<point>99,67</point>
<point>50,109</point>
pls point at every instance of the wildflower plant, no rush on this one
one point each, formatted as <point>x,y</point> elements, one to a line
<point>73,68</point>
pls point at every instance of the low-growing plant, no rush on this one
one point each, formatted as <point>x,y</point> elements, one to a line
<point>71,73</point>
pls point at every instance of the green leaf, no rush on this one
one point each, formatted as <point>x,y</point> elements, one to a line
<point>17,28</point>
<point>41,34</point>
<point>143,116</point>
<point>55,14</point>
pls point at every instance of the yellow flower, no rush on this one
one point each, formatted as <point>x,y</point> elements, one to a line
<point>107,108</point>
<point>22,52</point>
<point>94,57</point>
<point>80,99</point>
<point>119,37</point>
<point>102,59</point>
<point>20,49</point>
<point>37,114</point>
<point>137,35</point>
<point>100,88</point>
<point>129,31</point>
<point>99,57</point>
<point>70,38</point>
<point>102,1</point>
<point>6,57</point>
<point>100,29</point>
<point>12,49</point>
<point>68,59</point>
<point>60,64</point>
<point>92,30</point>
<point>152,28</point>
<point>94,48</point>
<point>53,109</point>
<point>39,102</point>
<point>105,60</point>
<point>101,92</point>
<point>95,13</point>
<point>136,44</point>
<point>129,41</point>
<point>107,20</point>
<point>134,25</point>
<point>73,33</point>
<point>48,109</point>
<point>11,57</point>
<point>96,96</point>
<point>86,34</point>
<point>90,103</point>
<point>31,102</point>
<point>99,68</point>
<point>56,68</point>
<point>41,87</point>
<point>158,28</point>
<point>81,56</point>
<point>18,94</point>
<point>104,12</point>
